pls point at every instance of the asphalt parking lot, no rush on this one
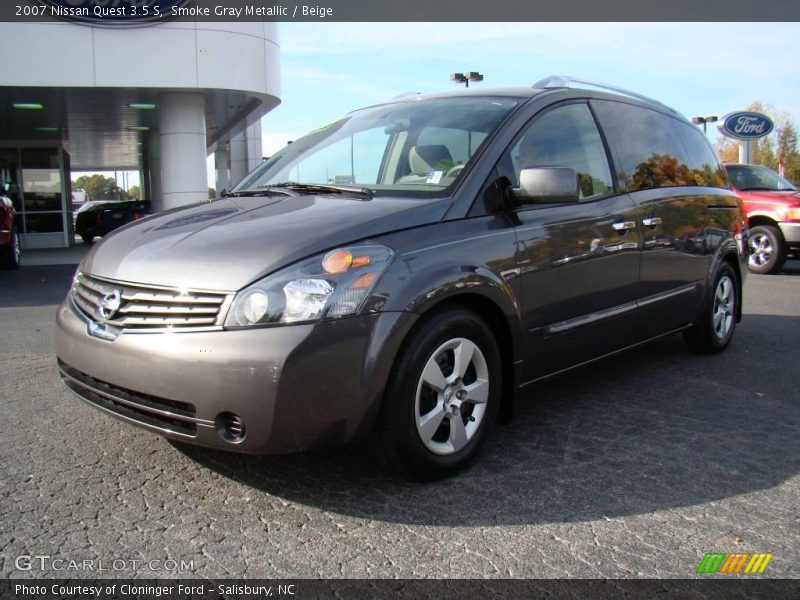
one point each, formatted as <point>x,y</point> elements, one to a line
<point>634,467</point>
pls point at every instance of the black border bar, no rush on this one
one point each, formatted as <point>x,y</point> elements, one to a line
<point>415,11</point>
<point>713,587</point>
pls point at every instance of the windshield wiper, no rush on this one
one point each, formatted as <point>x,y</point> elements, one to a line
<point>313,188</point>
<point>254,192</point>
<point>760,189</point>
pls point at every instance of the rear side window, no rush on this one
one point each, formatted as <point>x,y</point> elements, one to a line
<point>703,163</point>
<point>651,150</point>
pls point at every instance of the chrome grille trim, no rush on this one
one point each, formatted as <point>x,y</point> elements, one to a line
<point>144,308</point>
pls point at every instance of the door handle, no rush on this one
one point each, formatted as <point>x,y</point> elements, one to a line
<point>651,221</point>
<point>624,225</point>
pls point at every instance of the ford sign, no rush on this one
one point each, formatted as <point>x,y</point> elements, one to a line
<point>113,12</point>
<point>745,125</point>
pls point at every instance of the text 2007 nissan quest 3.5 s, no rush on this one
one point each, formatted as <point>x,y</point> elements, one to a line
<point>399,274</point>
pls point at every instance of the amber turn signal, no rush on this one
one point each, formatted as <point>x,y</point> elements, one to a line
<point>337,261</point>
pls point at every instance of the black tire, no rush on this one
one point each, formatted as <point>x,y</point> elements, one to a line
<point>767,249</point>
<point>87,238</point>
<point>707,335</point>
<point>12,256</point>
<point>398,437</point>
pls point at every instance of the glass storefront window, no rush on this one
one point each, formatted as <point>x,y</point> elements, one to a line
<point>42,190</point>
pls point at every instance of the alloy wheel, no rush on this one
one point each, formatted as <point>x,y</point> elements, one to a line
<point>724,305</point>
<point>451,396</point>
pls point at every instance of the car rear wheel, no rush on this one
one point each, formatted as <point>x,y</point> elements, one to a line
<point>442,397</point>
<point>767,249</point>
<point>714,329</point>
<point>87,238</point>
<point>12,257</point>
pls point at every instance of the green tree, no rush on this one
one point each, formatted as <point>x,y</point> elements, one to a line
<point>134,193</point>
<point>787,150</point>
<point>100,188</point>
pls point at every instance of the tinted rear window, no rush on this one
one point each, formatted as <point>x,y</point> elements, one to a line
<point>653,150</point>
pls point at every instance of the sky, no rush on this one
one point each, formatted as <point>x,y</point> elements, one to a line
<point>703,69</point>
<point>700,69</point>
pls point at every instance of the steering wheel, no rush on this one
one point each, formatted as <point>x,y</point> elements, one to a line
<point>454,171</point>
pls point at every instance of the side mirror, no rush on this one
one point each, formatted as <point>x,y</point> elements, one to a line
<point>546,184</point>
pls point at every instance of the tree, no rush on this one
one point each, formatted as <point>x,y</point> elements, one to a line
<point>787,150</point>
<point>212,193</point>
<point>100,188</point>
<point>134,192</point>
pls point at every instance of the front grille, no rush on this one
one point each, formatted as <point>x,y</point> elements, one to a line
<point>138,307</point>
<point>160,413</point>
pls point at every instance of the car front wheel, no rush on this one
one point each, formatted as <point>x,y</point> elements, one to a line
<point>767,249</point>
<point>443,396</point>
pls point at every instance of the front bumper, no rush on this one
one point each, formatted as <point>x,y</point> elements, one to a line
<point>791,233</point>
<point>294,387</point>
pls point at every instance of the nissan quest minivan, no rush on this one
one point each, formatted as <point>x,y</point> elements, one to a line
<point>400,274</point>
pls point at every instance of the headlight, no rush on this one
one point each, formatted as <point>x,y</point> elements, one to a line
<point>328,286</point>
<point>793,214</point>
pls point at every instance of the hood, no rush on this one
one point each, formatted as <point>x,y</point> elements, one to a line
<point>785,197</point>
<point>227,244</point>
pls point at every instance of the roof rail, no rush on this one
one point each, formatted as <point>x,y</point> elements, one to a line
<point>406,95</point>
<point>563,81</point>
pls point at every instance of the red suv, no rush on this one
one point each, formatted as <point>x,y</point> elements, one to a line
<point>9,235</point>
<point>773,213</point>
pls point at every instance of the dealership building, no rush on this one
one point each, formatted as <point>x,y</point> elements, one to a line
<point>153,98</point>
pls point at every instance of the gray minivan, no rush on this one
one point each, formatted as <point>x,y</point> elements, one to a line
<point>401,273</point>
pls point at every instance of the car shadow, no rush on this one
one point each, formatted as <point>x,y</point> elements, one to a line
<point>648,430</point>
<point>41,285</point>
<point>790,267</point>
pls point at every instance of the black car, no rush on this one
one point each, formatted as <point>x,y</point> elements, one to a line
<point>401,273</point>
<point>96,219</point>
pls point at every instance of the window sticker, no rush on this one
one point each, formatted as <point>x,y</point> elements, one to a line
<point>434,177</point>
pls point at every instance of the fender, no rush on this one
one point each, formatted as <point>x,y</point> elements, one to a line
<point>419,291</point>
<point>728,247</point>
<point>762,213</point>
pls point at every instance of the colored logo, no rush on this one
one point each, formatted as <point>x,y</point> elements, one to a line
<point>736,563</point>
<point>113,12</point>
<point>745,125</point>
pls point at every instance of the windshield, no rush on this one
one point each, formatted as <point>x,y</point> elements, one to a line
<point>746,177</point>
<point>418,147</point>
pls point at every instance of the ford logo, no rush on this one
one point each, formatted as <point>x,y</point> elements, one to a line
<point>113,12</point>
<point>744,125</point>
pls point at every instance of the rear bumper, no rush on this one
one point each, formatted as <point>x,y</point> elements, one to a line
<point>294,387</point>
<point>791,233</point>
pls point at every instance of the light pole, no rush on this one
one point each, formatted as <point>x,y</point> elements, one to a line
<point>465,78</point>
<point>704,120</point>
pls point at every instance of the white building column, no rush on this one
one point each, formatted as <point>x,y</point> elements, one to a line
<point>255,155</point>
<point>238,146</point>
<point>222,165</point>
<point>154,172</point>
<point>184,179</point>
